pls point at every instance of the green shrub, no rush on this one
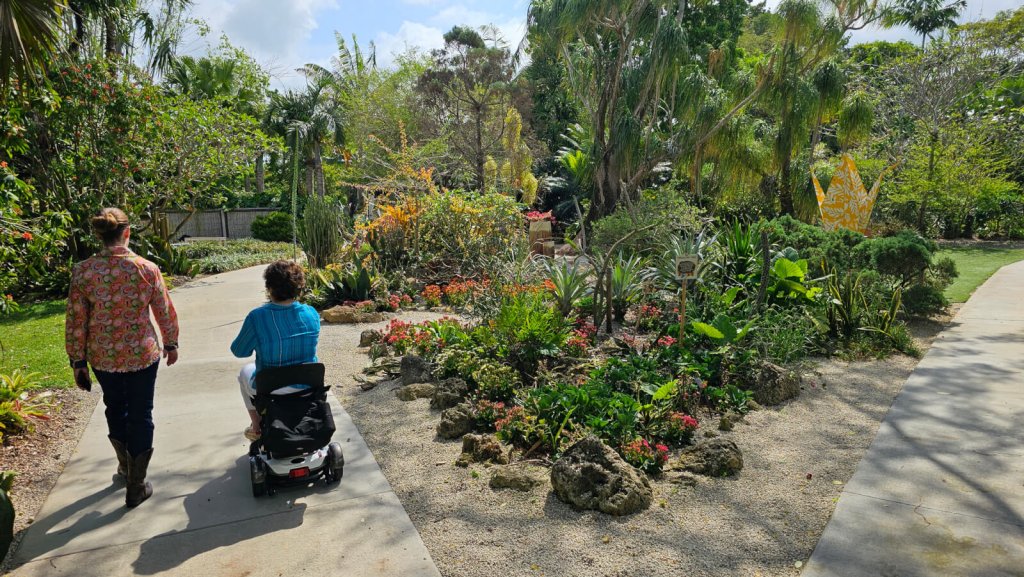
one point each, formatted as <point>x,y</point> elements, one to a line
<point>527,330</point>
<point>904,256</point>
<point>213,257</point>
<point>657,216</point>
<point>170,259</point>
<point>461,232</point>
<point>496,382</point>
<point>273,227</point>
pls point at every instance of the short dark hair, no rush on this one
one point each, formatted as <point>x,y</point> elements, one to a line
<point>285,280</point>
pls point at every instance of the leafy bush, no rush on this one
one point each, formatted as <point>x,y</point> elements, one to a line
<point>657,217</point>
<point>496,382</point>
<point>171,260</point>
<point>460,231</point>
<point>273,227</point>
<point>528,330</point>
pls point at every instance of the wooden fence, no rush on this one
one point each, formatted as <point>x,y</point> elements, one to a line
<point>230,224</point>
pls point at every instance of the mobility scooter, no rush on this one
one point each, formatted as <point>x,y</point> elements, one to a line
<point>295,447</point>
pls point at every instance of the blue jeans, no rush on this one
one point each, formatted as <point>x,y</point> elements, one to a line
<point>129,401</point>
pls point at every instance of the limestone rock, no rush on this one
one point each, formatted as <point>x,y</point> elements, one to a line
<point>449,393</point>
<point>416,370</point>
<point>717,457</point>
<point>415,391</point>
<point>456,421</point>
<point>729,420</point>
<point>773,384</point>
<point>481,449</point>
<point>591,475</point>
<point>368,337</point>
<point>349,315</point>
<point>518,477</point>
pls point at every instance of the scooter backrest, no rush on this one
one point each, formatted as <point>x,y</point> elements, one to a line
<point>272,378</point>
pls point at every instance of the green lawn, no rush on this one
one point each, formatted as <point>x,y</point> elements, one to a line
<point>975,265</point>
<point>33,341</point>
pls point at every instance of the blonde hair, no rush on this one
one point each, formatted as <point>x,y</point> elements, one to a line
<point>109,224</point>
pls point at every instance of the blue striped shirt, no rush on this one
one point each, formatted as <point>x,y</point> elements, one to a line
<point>279,335</point>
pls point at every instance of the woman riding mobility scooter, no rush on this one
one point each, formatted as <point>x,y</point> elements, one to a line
<point>295,447</point>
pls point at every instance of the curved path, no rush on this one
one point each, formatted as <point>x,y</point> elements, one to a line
<point>940,492</point>
<point>202,518</point>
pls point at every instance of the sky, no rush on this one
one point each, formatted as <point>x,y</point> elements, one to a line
<point>285,34</point>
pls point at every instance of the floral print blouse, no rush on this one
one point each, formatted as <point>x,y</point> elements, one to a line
<point>108,321</point>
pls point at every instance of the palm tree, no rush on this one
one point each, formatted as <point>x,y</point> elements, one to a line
<point>315,116</point>
<point>625,60</point>
<point>924,16</point>
<point>29,32</point>
<point>203,78</point>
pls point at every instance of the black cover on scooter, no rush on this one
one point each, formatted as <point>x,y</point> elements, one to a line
<point>295,423</point>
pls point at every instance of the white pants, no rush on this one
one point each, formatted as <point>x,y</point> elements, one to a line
<point>248,387</point>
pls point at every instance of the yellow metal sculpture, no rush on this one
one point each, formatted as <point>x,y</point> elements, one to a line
<point>848,204</point>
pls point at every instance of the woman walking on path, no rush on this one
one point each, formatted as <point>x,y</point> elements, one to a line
<point>282,332</point>
<point>108,327</point>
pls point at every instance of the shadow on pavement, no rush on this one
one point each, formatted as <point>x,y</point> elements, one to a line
<point>169,550</point>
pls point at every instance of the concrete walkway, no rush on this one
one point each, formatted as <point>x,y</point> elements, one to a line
<point>940,492</point>
<point>202,518</point>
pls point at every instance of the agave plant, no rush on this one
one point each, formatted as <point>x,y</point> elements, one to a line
<point>665,272</point>
<point>627,284</point>
<point>568,283</point>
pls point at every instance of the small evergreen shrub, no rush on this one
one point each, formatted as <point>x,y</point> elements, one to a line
<point>273,227</point>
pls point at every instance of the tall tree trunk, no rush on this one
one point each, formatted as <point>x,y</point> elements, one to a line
<point>110,37</point>
<point>310,172</point>
<point>479,160</point>
<point>79,38</point>
<point>261,174</point>
<point>785,185</point>
<point>318,171</point>
<point>922,209</point>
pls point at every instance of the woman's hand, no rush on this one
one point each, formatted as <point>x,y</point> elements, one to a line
<point>171,356</point>
<point>82,379</point>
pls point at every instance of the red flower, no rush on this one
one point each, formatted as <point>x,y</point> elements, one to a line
<point>26,235</point>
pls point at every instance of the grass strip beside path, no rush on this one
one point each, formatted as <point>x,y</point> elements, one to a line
<point>33,340</point>
<point>976,264</point>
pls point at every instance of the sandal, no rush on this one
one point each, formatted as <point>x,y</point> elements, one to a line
<point>251,435</point>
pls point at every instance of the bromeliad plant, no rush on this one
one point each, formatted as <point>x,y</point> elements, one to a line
<point>20,404</point>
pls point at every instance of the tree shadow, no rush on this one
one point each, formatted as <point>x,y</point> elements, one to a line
<point>169,550</point>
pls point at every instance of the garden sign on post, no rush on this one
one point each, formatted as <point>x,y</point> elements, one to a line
<point>686,270</point>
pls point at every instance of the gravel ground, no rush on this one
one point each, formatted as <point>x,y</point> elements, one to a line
<point>766,521</point>
<point>759,523</point>
<point>39,457</point>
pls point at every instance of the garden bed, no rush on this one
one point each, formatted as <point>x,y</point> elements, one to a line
<point>39,457</point>
<point>762,522</point>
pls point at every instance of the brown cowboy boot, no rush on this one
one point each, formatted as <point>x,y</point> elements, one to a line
<point>122,457</point>
<point>138,488</point>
